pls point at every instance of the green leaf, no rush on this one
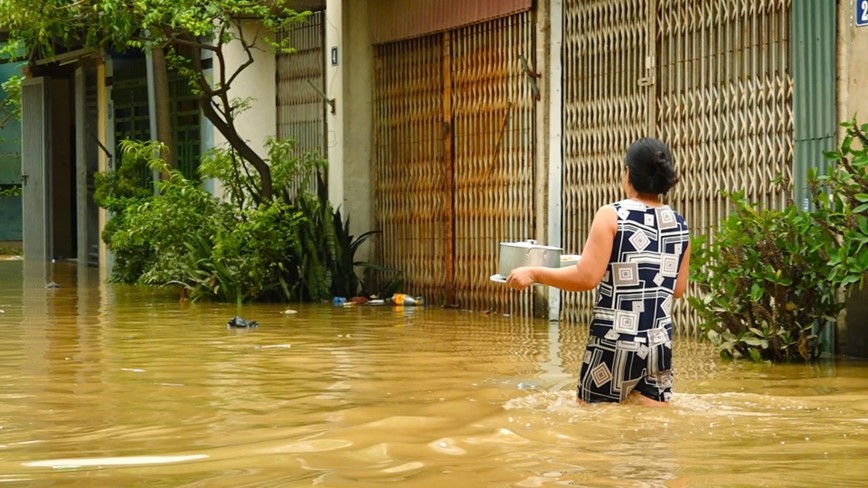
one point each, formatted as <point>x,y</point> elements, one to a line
<point>756,292</point>
<point>713,336</point>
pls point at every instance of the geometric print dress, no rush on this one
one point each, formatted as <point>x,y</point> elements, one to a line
<point>630,342</point>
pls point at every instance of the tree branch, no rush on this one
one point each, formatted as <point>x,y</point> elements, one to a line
<point>246,63</point>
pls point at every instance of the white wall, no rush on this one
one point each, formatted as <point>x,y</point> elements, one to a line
<point>350,84</point>
<point>852,333</point>
<point>256,82</point>
<point>852,64</point>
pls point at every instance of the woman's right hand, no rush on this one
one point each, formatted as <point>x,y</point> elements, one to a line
<point>521,278</point>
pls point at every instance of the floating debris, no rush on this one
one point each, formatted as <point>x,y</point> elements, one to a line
<point>239,323</point>
<point>403,299</point>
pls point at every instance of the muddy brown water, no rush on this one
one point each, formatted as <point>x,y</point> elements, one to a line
<point>107,385</point>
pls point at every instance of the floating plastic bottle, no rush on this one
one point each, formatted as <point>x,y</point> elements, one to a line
<point>404,299</point>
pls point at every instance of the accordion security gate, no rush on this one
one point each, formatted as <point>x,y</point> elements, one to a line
<point>300,82</point>
<point>453,156</point>
<point>712,79</point>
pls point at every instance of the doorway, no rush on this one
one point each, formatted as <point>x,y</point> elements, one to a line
<point>454,125</point>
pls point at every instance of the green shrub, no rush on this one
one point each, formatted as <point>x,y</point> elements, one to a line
<point>11,103</point>
<point>242,262</point>
<point>291,247</point>
<point>12,191</point>
<point>841,198</point>
<point>766,292</point>
<point>345,281</point>
<point>120,192</point>
<point>771,281</point>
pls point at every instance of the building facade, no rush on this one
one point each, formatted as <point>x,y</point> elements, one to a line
<point>451,126</point>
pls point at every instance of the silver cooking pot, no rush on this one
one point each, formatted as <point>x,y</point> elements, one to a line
<point>527,253</point>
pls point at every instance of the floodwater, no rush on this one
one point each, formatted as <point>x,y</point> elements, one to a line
<point>106,385</point>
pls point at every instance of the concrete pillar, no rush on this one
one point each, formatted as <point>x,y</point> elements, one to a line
<point>105,134</point>
<point>355,112</point>
<point>550,125</point>
<point>334,75</point>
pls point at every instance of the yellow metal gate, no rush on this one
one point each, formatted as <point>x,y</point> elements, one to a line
<point>453,156</point>
<point>712,79</point>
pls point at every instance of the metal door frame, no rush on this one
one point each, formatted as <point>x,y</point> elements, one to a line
<point>35,168</point>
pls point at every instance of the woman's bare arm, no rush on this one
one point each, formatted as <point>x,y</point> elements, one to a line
<point>683,274</point>
<point>588,272</point>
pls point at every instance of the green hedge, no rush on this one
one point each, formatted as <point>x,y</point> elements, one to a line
<point>771,281</point>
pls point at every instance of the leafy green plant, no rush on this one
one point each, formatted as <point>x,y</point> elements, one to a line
<point>345,281</point>
<point>183,33</point>
<point>12,191</point>
<point>11,103</point>
<point>771,281</point>
<point>121,191</point>
<point>205,277</point>
<point>841,200</point>
<point>181,212</point>
<point>291,247</point>
<point>765,285</point>
<point>315,247</point>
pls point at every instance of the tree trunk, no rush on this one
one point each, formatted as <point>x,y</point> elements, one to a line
<point>224,122</point>
<point>163,100</point>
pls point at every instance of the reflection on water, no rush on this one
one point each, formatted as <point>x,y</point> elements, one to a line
<point>106,385</point>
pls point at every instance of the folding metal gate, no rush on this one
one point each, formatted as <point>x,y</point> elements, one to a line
<point>453,158</point>
<point>300,83</point>
<point>712,79</point>
<point>36,168</point>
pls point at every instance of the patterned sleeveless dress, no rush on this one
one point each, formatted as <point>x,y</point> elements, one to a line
<point>630,343</point>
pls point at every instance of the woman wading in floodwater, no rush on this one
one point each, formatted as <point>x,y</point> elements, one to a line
<point>637,256</point>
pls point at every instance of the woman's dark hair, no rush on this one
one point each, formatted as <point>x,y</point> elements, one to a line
<point>650,164</point>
